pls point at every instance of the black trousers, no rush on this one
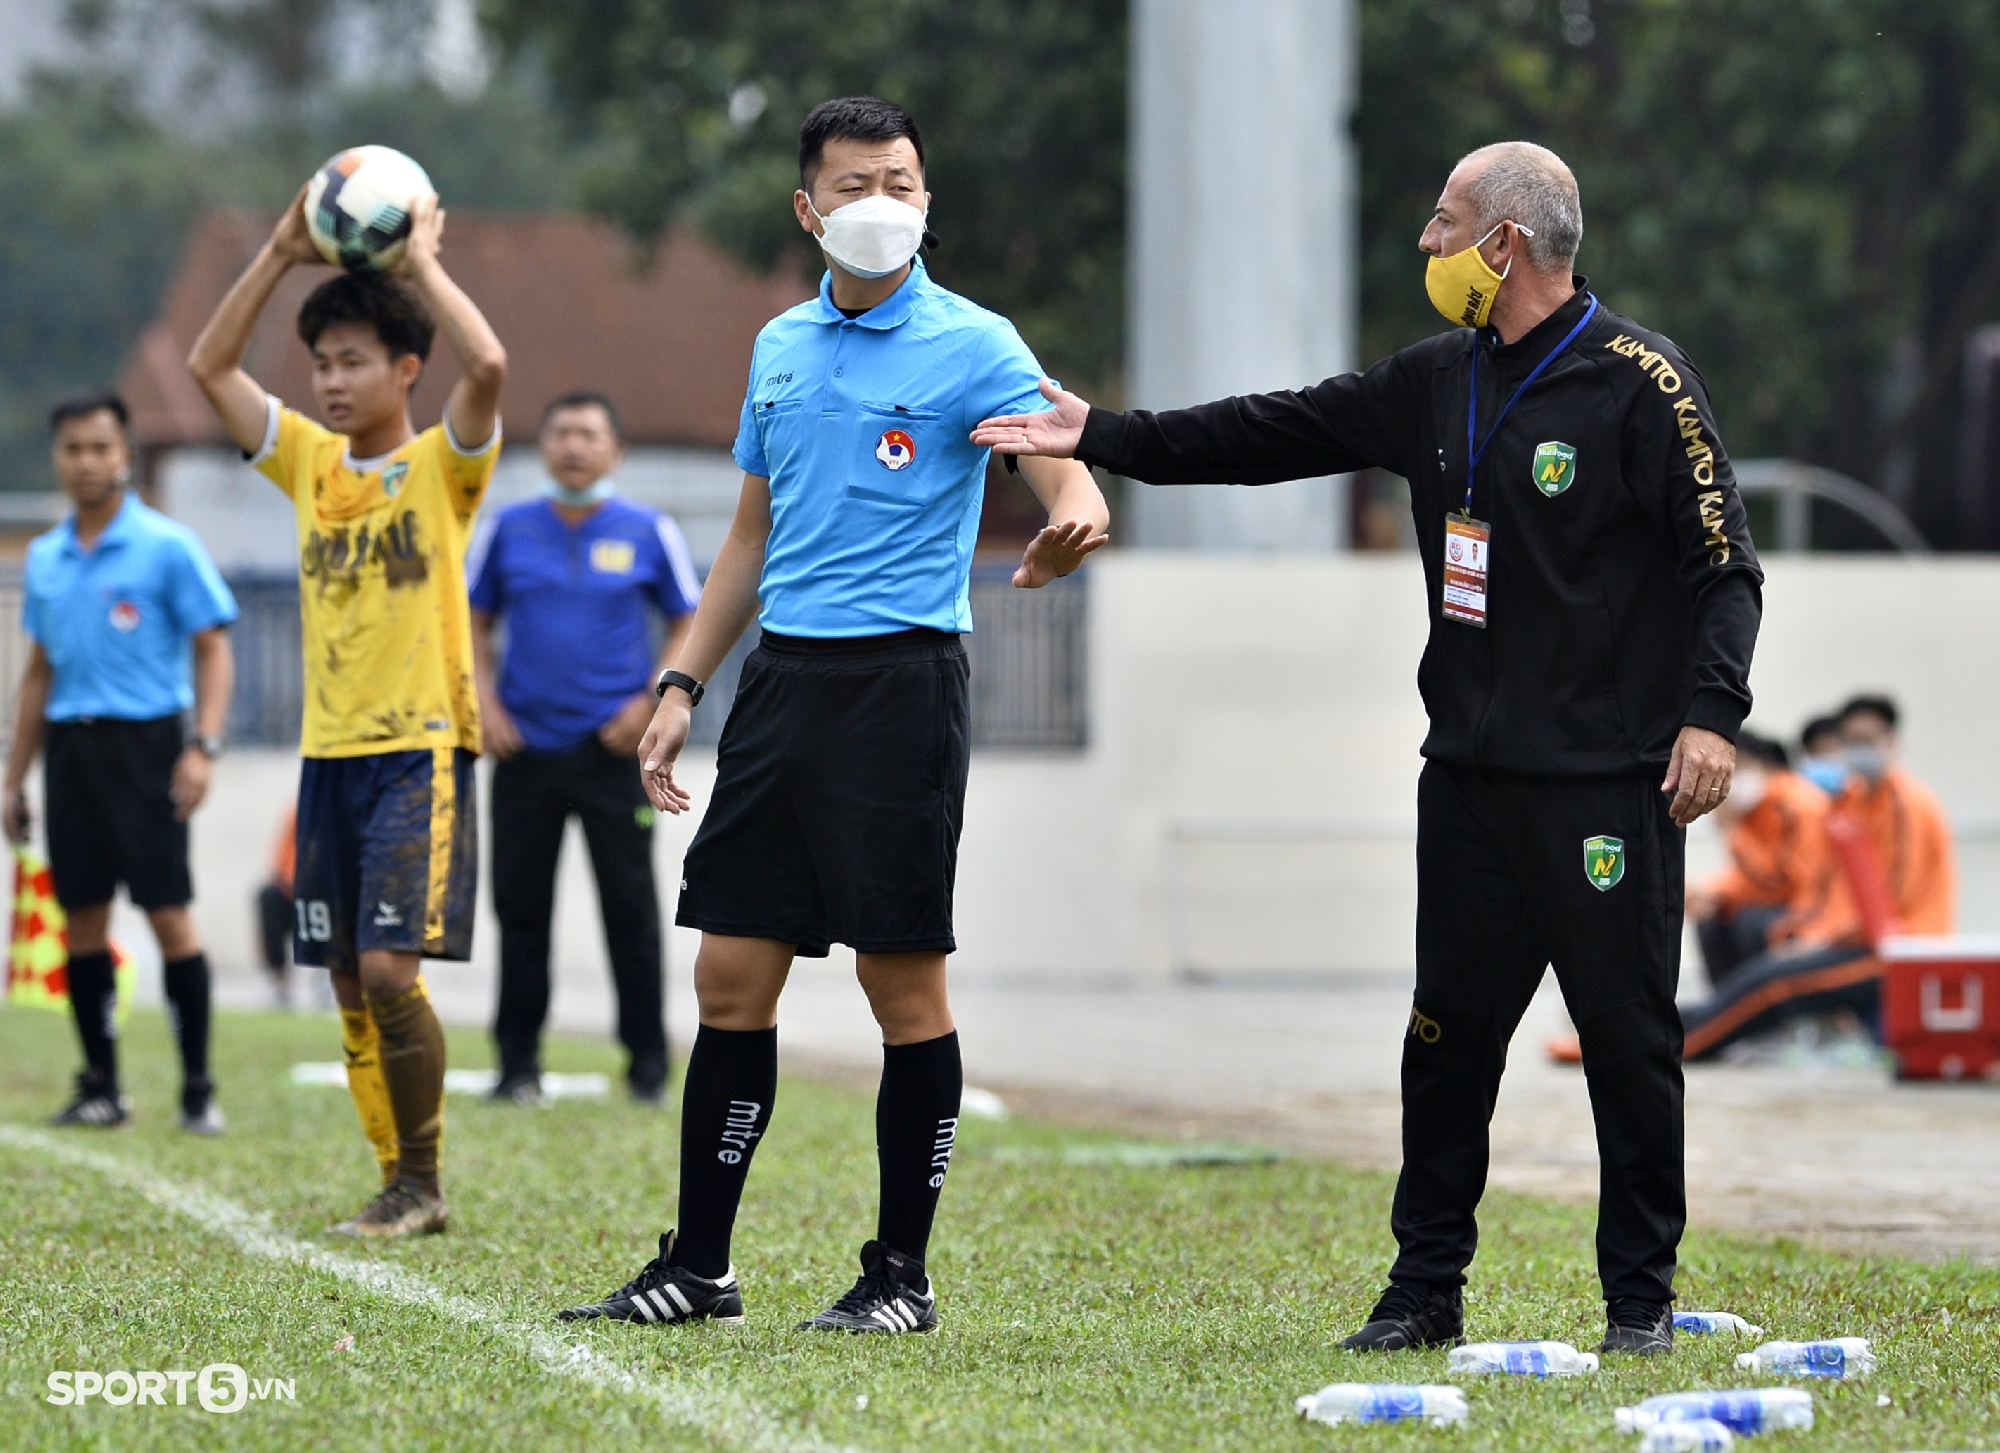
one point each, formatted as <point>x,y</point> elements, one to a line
<point>1731,940</point>
<point>534,796</point>
<point>1774,988</point>
<point>1515,874</point>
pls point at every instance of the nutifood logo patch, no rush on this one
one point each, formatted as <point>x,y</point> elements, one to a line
<point>392,477</point>
<point>1604,862</point>
<point>1555,467</point>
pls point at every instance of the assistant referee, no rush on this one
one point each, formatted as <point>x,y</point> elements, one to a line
<point>128,628</point>
<point>1594,601</point>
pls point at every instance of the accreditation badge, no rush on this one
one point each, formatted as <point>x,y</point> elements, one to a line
<point>1467,543</point>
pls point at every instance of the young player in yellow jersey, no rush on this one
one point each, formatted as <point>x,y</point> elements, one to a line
<point>386,862</point>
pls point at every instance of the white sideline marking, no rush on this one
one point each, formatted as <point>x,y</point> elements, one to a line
<point>332,1075</point>
<point>722,1416</point>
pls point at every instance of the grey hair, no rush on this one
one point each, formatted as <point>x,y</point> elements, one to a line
<point>1529,185</point>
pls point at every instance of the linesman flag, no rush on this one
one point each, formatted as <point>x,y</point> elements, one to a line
<point>38,956</point>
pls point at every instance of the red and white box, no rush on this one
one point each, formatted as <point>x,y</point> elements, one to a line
<point>1941,1006</point>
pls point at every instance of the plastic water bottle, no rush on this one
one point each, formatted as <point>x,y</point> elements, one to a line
<point>1523,1359</point>
<point>1744,1410</point>
<point>1835,1357</point>
<point>1692,1435</point>
<point>1700,1324</point>
<point>1384,1402</point>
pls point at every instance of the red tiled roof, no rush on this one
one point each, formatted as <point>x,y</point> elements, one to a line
<point>568,295</point>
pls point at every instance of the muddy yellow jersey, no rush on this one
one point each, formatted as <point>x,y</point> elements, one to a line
<point>388,636</point>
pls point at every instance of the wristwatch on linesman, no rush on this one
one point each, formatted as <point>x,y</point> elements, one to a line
<point>687,683</point>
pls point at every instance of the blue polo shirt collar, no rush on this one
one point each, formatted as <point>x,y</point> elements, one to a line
<point>892,312</point>
<point>116,533</point>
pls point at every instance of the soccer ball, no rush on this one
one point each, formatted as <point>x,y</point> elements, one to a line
<point>358,206</point>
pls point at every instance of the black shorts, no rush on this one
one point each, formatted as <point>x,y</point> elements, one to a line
<point>108,792</point>
<point>839,793</point>
<point>388,857</point>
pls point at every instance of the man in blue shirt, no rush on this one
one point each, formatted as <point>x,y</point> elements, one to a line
<point>577,576</point>
<point>120,600</point>
<point>842,767</point>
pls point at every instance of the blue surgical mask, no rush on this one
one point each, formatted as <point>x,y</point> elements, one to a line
<point>1829,774</point>
<point>1868,763</point>
<point>579,499</point>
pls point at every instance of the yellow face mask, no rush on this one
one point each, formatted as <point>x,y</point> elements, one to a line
<point>1462,286</point>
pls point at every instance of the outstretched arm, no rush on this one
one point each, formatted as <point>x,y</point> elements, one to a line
<point>1078,520</point>
<point>728,605</point>
<point>216,360</point>
<point>474,407</point>
<point>1344,423</point>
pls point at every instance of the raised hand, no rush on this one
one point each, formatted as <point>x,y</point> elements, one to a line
<point>1057,550</point>
<point>289,239</point>
<point>1055,432</point>
<point>426,234</point>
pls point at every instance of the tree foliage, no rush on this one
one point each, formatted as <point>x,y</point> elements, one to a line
<point>1022,104</point>
<point>1804,193</point>
<point>100,177</point>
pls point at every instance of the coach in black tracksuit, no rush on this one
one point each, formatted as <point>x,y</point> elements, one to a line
<point>1594,603</point>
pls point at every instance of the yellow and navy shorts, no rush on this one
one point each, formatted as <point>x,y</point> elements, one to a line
<point>388,857</point>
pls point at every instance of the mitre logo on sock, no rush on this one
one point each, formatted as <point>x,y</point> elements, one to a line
<point>947,1137</point>
<point>739,1129</point>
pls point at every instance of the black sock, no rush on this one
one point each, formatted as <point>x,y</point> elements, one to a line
<point>93,1001</point>
<point>187,989</point>
<point>732,1078</point>
<point>916,1125</point>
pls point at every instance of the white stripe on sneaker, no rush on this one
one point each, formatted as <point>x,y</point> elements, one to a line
<point>680,1299</point>
<point>639,1303</point>
<point>666,1307</point>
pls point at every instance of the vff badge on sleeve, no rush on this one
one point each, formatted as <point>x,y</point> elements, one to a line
<point>1467,548</point>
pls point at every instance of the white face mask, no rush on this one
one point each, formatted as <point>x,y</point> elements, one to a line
<point>1748,789</point>
<point>872,237</point>
<point>591,494</point>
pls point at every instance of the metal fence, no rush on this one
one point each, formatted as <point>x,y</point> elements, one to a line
<point>1028,663</point>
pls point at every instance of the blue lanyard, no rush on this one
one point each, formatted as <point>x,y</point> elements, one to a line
<point>1473,454</point>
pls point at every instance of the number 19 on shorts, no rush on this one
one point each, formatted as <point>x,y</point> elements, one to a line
<point>315,920</point>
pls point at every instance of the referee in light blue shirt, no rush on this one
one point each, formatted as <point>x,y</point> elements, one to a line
<point>127,621</point>
<point>842,767</point>
<point>577,576</point>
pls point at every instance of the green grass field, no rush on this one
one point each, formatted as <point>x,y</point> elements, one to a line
<point>1085,1304</point>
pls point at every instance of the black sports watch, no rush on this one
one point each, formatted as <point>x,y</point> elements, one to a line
<point>687,683</point>
<point>209,747</point>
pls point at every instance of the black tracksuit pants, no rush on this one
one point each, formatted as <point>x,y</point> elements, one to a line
<point>534,795</point>
<point>1505,887</point>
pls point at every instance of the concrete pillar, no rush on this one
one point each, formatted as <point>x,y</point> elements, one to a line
<point>1243,246</point>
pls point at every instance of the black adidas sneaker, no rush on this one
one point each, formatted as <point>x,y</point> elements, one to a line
<point>94,1105</point>
<point>893,1295</point>
<point>1412,1315</point>
<point>663,1293</point>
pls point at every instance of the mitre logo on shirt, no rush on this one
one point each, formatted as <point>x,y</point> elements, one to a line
<point>896,449</point>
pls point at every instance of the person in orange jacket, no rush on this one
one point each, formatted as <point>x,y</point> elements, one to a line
<point>1829,964</point>
<point>1780,865</point>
